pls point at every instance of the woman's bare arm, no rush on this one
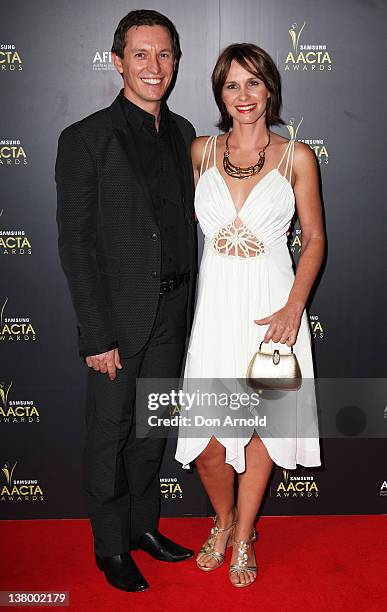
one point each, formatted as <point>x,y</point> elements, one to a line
<point>285,323</point>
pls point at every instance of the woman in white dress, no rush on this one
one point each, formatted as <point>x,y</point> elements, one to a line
<point>249,182</point>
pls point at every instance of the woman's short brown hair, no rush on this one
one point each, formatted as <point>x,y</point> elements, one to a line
<point>258,62</point>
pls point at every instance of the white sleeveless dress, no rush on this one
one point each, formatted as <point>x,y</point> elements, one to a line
<point>246,273</point>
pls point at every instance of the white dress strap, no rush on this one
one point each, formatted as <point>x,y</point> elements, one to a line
<point>208,147</point>
<point>204,154</point>
<point>289,154</point>
<point>283,157</point>
<point>290,160</point>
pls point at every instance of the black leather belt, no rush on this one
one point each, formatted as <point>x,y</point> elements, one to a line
<point>174,283</point>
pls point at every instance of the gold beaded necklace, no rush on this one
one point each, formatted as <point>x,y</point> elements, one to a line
<point>239,172</point>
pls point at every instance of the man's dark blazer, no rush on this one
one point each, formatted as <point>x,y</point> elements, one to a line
<point>109,238</point>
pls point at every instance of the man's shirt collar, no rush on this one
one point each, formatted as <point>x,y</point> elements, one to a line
<point>139,118</point>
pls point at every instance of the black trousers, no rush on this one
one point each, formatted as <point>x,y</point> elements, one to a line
<point>121,471</point>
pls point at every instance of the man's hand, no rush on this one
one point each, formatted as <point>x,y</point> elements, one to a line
<point>105,362</point>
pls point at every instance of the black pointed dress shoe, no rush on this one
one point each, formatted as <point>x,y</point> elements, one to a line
<point>162,548</point>
<point>122,573</point>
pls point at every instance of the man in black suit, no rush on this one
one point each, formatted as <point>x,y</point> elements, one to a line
<point>127,243</point>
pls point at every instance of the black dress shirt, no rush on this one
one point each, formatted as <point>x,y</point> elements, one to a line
<point>161,169</point>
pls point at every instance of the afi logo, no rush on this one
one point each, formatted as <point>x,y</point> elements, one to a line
<point>104,57</point>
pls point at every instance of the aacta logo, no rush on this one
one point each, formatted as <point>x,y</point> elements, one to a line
<point>15,329</point>
<point>18,490</point>
<point>14,242</point>
<point>296,486</point>
<point>316,326</point>
<point>12,153</point>
<point>319,148</point>
<point>316,144</point>
<point>310,57</point>
<point>295,241</point>
<point>9,58</point>
<point>16,411</point>
<point>293,128</point>
<point>170,488</point>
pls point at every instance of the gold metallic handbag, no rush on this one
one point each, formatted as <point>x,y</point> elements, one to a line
<point>274,371</point>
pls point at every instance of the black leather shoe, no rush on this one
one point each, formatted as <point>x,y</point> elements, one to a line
<point>162,548</point>
<point>122,572</point>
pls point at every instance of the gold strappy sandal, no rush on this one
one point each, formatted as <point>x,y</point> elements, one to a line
<point>208,546</point>
<point>241,564</point>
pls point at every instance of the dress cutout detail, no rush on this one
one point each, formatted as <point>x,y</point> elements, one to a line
<point>238,241</point>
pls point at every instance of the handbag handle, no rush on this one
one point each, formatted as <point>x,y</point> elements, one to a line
<point>260,346</point>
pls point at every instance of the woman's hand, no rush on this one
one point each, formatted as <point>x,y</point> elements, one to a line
<point>284,324</point>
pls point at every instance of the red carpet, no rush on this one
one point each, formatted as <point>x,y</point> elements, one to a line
<point>323,563</point>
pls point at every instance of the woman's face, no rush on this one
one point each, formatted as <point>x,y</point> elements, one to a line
<point>244,95</point>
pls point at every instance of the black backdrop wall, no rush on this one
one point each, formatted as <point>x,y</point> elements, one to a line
<point>55,68</point>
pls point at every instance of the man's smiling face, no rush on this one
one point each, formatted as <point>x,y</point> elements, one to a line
<point>147,66</point>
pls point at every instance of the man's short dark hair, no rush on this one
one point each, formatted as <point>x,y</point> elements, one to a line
<point>144,17</point>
